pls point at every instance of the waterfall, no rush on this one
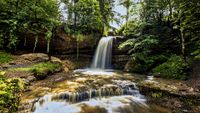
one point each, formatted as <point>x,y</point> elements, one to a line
<point>103,55</point>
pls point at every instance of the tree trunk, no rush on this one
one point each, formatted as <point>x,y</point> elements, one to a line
<point>104,19</point>
<point>127,17</point>
<point>183,44</point>
<point>77,54</point>
<point>48,49</point>
<point>35,45</point>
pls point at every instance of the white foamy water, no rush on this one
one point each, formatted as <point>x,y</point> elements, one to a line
<point>107,72</point>
<point>110,104</point>
<point>103,55</point>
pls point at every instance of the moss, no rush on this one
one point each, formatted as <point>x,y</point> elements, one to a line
<point>40,70</point>
<point>38,67</point>
<point>2,73</point>
<point>5,57</point>
<point>46,65</point>
<point>2,77</point>
<point>174,68</point>
<point>157,95</point>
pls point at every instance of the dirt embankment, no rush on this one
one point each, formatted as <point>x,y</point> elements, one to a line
<point>194,80</point>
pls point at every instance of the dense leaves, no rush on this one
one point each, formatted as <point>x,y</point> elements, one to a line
<point>10,90</point>
<point>165,27</point>
<point>174,68</point>
<point>88,16</point>
<point>18,17</point>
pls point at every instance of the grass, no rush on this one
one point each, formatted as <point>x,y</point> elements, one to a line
<point>40,70</point>
<point>5,57</point>
<point>40,67</point>
<point>45,65</point>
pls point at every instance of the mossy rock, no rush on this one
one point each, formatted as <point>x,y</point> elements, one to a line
<point>42,70</point>
<point>41,74</point>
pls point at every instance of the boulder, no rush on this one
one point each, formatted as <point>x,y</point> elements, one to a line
<point>31,58</point>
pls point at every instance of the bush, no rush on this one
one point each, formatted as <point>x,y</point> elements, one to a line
<point>174,68</point>
<point>10,90</point>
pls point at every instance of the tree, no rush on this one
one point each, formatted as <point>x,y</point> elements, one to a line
<point>19,17</point>
<point>187,22</point>
<point>127,4</point>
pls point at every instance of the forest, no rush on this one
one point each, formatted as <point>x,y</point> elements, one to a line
<point>101,56</point>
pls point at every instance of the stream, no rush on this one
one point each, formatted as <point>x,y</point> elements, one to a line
<point>115,96</point>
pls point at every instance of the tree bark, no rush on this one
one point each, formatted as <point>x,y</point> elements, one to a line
<point>183,44</point>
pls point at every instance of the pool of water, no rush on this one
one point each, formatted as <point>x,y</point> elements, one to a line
<point>113,104</point>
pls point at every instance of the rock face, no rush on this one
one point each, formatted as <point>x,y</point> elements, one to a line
<point>120,61</point>
<point>62,43</point>
<point>120,56</point>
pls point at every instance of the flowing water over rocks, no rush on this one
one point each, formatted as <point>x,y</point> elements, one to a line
<point>115,96</point>
<point>103,55</point>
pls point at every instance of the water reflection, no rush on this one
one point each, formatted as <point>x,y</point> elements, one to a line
<point>115,104</point>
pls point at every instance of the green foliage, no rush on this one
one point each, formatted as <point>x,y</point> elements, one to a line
<point>146,47</point>
<point>5,57</point>
<point>10,90</point>
<point>156,95</point>
<point>174,68</point>
<point>86,16</point>
<point>18,17</point>
<point>173,26</point>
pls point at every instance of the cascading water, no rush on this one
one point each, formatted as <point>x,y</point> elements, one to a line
<point>103,54</point>
<point>101,64</point>
<point>124,97</point>
<point>110,98</point>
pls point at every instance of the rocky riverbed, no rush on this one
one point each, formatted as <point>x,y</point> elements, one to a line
<point>165,96</point>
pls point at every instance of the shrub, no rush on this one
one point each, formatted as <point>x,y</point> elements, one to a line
<point>10,90</point>
<point>174,68</point>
